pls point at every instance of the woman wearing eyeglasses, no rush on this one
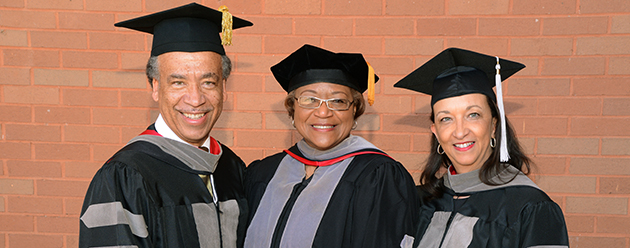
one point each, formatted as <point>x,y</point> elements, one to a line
<point>331,189</point>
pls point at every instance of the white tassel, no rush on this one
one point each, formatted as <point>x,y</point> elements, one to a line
<point>503,152</point>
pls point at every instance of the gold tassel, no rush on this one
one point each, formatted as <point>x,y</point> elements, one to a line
<point>226,26</point>
<point>371,82</point>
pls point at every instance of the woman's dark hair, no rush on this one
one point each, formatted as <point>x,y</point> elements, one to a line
<point>357,100</point>
<point>433,186</point>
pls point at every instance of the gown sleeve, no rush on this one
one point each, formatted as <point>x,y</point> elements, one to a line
<point>543,225</point>
<point>393,215</point>
<point>116,209</point>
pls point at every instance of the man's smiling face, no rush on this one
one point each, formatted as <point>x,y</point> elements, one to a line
<point>190,93</point>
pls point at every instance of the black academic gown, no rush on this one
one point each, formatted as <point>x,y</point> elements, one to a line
<point>473,214</point>
<point>372,204</point>
<point>149,194</point>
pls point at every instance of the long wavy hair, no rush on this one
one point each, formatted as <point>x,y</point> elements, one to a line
<point>432,184</point>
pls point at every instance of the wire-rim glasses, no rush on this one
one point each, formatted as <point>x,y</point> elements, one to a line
<point>311,102</point>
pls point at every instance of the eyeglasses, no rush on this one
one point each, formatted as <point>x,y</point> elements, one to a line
<point>311,102</point>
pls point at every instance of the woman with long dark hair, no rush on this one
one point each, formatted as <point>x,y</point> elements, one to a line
<point>474,186</point>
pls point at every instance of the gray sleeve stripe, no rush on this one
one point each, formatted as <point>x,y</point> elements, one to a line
<point>113,213</point>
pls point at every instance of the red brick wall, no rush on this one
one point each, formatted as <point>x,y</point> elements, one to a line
<point>72,92</point>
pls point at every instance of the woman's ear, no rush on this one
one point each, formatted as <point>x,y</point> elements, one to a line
<point>494,127</point>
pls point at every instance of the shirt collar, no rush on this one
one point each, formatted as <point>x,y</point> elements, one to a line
<point>163,129</point>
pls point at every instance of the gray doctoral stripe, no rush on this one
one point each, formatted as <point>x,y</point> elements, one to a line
<point>470,182</point>
<point>113,213</point>
<point>207,226</point>
<point>436,228</point>
<point>460,233</point>
<point>309,207</point>
<point>193,157</point>
<point>277,192</point>
<point>407,241</point>
<point>311,204</point>
<point>229,222</point>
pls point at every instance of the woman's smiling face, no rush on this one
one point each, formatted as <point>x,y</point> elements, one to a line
<point>323,128</point>
<point>464,126</point>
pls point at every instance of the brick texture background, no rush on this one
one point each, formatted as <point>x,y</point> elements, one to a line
<point>73,91</point>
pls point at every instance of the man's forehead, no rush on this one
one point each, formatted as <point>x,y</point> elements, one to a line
<point>191,55</point>
<point>211,75</point>
<point>185,61</point>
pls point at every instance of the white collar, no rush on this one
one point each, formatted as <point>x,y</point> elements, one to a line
<point>163,129</point>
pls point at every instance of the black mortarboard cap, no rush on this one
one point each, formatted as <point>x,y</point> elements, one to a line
<point>310,64</point>
<point>188,28</point>
<point>456,72</point>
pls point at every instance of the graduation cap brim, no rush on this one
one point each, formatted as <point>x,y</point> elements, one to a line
<point>422,79</point>
<point>190,28</point>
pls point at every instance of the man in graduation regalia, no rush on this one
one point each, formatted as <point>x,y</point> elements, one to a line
<point>174,185</point>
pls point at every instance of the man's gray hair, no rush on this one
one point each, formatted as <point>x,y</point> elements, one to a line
<point>153,70</point>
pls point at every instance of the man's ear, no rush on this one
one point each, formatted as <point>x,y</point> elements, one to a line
<point>156,88</point>
<point>225,95</point>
